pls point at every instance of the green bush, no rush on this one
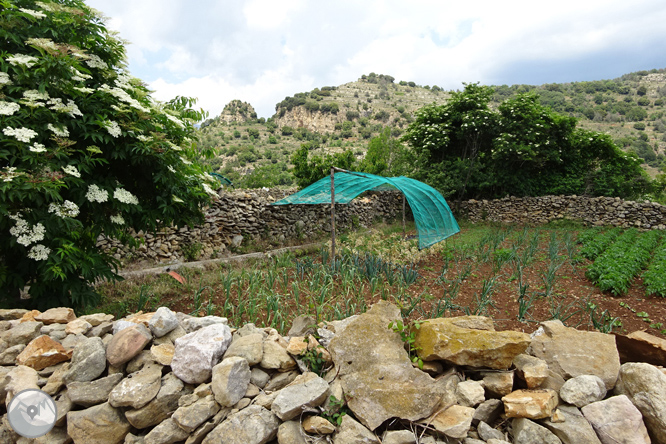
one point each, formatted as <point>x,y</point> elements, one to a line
<point>84,151</point>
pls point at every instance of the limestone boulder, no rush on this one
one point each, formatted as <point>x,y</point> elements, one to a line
<point>78,327</point>
<point>198,352</point>
<point>460,341</point>
<point>574,429</point>
<point>127,343</point>
<point>352,432</point>
<point>454,422</point>
<point>19,378</point>
<point>160,407</point>
<point>166,432</point>
<point>88,360</point>
<point>317,425</point>
<point>532,404</point>
<point>249,347</point>
<point>616,420</point>
<point>162,322</point>
<point>94,392</point>
<point>568,353</point>
<point>533,371</point>
<point>189,417</point>
<point>60,315</point>
<point>380,381</point>
<point>252,425</point>
<point>529,432</point>
<point>138,388</point>
<point>641,346</point>
<point>43,352</point>
<point>307,392</point>
<point>645,386</point>
<point>231,378</point>
<point>583,390</point>
<point>102,424</point>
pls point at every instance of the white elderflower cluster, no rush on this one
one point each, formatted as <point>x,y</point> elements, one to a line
<point>95,61</point>
<point>96,194</point>
<point>60,132</point>
<point>84,90</point>
<point>117,219</point>
<point>8,108</point>
<point>79,76</point>
<point>143,138</point>
<point>185,161</point>
<point>123,96</point>
<point>175,120</point>
<point>4,79</point>
<point>172,169</point>
<point>209,190</point>
<point>24,234</point>
<point>22,59</point>
<point>46,44</point>
<point>21,134</point>
<point>173,146</point>
<point>113,128</point>
<point>71,170</point>
<point>32,98</point>
<point>9,174</point>
<point>39,252</point>
<point>36,14</point>
<point>37,148</point>
<point>125,196</point>
<point>58,106</point>
<point>67,209</point>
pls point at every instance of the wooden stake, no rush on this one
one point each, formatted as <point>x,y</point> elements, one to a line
<point>404,234</point>
<point>332,216</point>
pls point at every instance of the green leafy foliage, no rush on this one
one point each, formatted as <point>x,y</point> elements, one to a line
<point>307,170</point>
<point>465,149</point>
<point>655,275</point>
<point>408,335</point>
<point>84,151</point>
<point>595,244</point>
<point>615,269</point>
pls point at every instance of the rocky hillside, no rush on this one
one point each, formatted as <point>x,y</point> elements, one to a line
<point>167,377</point>
<point>333,118</point>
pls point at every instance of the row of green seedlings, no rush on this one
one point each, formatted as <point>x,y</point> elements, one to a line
<point>615,269</point>
<point>329,291</point>
<point>654,277</point>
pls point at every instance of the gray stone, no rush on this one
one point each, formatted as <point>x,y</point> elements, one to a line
<point>63,406</point>
<point>122,324</point>
<point>139,361</point>
<point>252,425</point>
<point>138,388</point>
<point>275,356</point>
<point>454,422</point>
<point>231,378</point>
<point>198,352</point>
<point>8,357</point>
<point>162,406</point>
<point>532,370</point>
<point>470,393</point>
<point>399,437</point>
<point>163,321</point>
<point>574,429</point>
<point>567,352</point>
<point>94,392</point>
<point>191,416</point>
<point>193,324</point>
<point>486,432</point>
<point>380,379</point>
<point>20,334</point>
<point>583,390</point>
<point>617,420</point>
<point>498,383</point>
<point>202,431</point>
<point>291,432</point>
<point>97,318</point>
<point>529,432</point>
<point>101,424</point>
<point>249,347</point>
<point>259,377</point>
<point>352,432</point>
<point>280,380</point>
<point>19,378</point>
<point>166,432</point>
<point>488,411</point>
<point>302,325</point>
<point>296,397</point>
<point>645,386</point>
<point>100,330</point>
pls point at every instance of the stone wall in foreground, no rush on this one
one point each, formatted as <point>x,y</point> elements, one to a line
<point>240,216</point>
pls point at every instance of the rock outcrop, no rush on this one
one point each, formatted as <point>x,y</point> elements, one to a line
<point>117,384</point>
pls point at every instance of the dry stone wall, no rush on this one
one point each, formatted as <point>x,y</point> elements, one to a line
<point>590,210</point>
<point>242,215</point>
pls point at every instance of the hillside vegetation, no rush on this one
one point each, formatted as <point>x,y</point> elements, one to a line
<point>332,119</point>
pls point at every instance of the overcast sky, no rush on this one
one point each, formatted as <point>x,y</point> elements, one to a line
<point>260,51</point>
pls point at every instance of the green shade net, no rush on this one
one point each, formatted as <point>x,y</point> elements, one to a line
<point>432,215</point>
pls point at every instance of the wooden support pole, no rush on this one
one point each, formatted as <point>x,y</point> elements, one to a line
<point>332,216</point>
<point>404,234</point>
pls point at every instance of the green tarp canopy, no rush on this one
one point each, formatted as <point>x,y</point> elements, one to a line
<point>432,215</point>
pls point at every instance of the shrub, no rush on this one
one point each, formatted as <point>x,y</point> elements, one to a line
<point>85,151</point>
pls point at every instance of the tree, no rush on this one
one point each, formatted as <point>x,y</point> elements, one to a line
<point>465,150</point>
<point>307,170</point>
<point>84,151</point>
<point>385,155</point>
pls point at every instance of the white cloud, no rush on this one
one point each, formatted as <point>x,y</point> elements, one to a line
<point>260,51</point>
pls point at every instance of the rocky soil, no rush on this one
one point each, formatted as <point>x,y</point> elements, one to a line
<point>166,377</point>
